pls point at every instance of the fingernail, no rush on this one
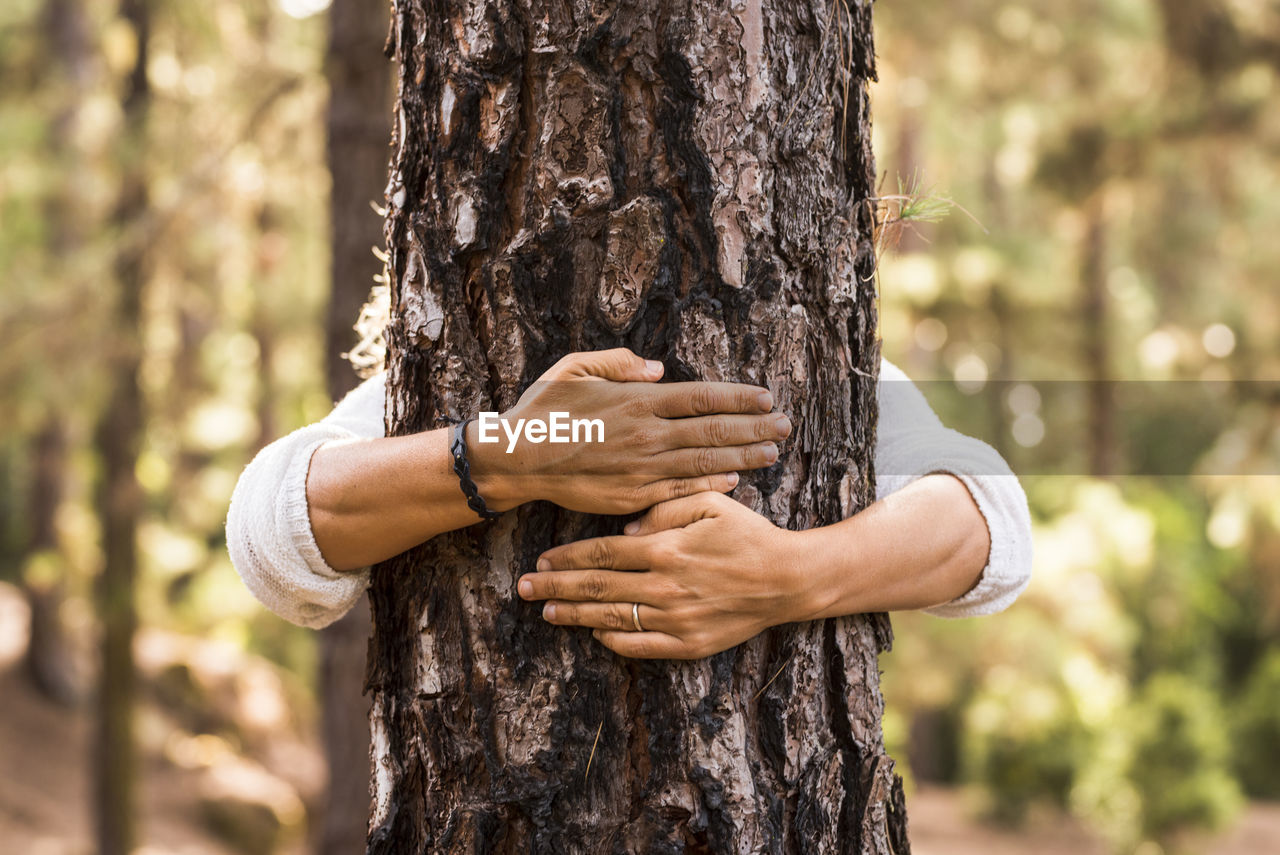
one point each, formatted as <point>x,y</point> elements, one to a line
<point>771,452</point>
<point>733,479</point>
<point>654,366</point>
<point>549,611</point>
<point>544,564</point>
<point>783,425</point>
<point>526,588</point>
<point>631,527</point>
<point>766,400</point>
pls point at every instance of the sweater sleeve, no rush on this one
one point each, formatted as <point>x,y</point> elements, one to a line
<point>269,533</point>
<point>912,442</point>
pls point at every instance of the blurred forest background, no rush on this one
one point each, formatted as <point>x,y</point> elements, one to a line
<point>1097,298</point>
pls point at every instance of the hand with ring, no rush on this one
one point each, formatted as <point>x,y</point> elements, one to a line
<point>690,578</point>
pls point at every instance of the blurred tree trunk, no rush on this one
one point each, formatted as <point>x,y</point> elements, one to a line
<point>358,131</point>
<point>688,179</point>
<point>119,497</point>
<point>49,659</point>
<point>1097,357</point>
<point>264,325</point>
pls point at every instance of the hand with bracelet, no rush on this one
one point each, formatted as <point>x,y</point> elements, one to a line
<point>371,499</point>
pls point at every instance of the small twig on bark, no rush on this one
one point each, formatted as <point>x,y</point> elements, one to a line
<point>592,756</point>
<point>757,695</point>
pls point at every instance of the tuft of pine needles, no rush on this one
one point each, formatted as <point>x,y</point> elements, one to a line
<point>913,204</point>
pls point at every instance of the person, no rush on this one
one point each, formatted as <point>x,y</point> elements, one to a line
<point>698,572</point>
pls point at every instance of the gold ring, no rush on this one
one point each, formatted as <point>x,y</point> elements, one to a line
<point>635,616</point>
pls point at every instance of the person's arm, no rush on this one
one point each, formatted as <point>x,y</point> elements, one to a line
<point>913,444</point>
<point>373,499</point>
<point>718,573</point>
<point>950,533</point>
<point>315,508</point>
<point>268,529</point>
<point>921,547</point>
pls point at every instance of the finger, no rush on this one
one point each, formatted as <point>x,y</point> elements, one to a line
<point>678,400</point>
<point>643,645</point>
<point>688,462</point>
<point>723,430</point>
<point>597,553</point>
<point>586,586</point>
<point>613,616</point>
<point>675,514</point>
<point>617,364</point>
<point>678,488</point>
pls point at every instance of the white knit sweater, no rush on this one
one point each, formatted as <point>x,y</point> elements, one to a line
<point>271,544</point>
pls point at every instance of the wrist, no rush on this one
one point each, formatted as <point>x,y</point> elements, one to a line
<point>789,556</point>
<point>811,555</point>
<point>493,473</point>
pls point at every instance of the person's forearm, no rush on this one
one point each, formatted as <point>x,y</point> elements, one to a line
<point>371,499</point>
<point>921,546</point>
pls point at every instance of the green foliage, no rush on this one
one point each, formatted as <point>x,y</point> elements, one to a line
<point>1025,745</point>
<point>1162,770</point>
<point>1256,730</point>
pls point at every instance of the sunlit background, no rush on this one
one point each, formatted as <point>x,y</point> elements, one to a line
<point>1082,199</point>
<point>1111,170</point>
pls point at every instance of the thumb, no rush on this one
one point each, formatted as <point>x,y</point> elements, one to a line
<point>618,364</point>
<point>676,513</point>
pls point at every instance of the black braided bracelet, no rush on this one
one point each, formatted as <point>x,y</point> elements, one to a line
<point>462,468</point>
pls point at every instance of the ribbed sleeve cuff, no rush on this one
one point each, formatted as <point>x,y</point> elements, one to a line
<point>999,498</point>
<point>295,513</point>
<point>329,593</point>
<point>270,541</point>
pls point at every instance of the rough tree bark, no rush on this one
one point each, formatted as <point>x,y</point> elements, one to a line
<point>119,498</point>
<point>688,179</point>
<point>358,127</point>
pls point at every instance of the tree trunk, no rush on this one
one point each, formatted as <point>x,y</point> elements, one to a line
<point>119,499</point>
<point>49,659</point>
<point>1097,360</point>
<point>50,662</point>
<point>358,130</point>
<point>688,179</point>
<point>357,127</point>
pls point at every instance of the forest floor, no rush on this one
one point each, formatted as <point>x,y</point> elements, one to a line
<point>255,789</point>
<point>45,786</point>
<point>940,823</point>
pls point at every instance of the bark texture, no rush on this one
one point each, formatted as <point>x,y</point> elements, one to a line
<point>358,127</point>
<point>688,179</point>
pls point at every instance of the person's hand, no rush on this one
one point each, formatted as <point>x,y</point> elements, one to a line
<point>713,574</point>
<point>661,440</point>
